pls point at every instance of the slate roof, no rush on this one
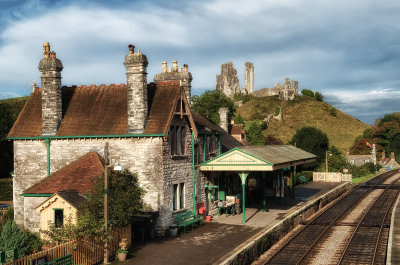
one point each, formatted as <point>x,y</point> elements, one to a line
<point>76,176</point>
<point>277,154</point>
<point>99,110</point>
<point>237,129</point>
<point>73,197</point>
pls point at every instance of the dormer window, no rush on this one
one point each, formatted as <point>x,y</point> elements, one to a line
<point>177,140</point>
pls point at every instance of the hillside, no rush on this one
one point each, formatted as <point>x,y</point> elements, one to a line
<point>341,129</point>
<point>9,110</point>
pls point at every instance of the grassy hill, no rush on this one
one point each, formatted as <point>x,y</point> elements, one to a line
<point>341,129</point>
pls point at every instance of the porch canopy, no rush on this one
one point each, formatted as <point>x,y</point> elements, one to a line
<point>246,159</point>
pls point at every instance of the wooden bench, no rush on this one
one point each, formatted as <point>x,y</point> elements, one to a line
<point>185,219</point>
<point>66,260</point>
<point>303,179</point>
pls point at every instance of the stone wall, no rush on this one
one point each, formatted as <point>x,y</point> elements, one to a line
<point>248,87</point>
<point>287,91</point>
<point>140,155</point>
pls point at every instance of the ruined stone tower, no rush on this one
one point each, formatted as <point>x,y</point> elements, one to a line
<point>176,74</point>
<point>227,81</point>
<point>50,68</point>
<point>136,74</point>
<point>223,118</point>
<point>248,87</point>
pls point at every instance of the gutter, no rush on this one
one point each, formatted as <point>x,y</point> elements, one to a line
<point>86,136</point>
<point>194,177</point>
<point>36,195</point>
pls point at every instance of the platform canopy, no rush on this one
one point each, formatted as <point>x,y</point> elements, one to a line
<point>258,158</point>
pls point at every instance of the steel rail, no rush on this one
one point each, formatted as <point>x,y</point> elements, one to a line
<point>362,219</point>
<point>383,177</point>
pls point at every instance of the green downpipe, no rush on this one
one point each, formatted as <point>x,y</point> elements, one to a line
<point>47,141</point>
<point>219,144</point>
<point>194,176</point>
<point>204,148</point>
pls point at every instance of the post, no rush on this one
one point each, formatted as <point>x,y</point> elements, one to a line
<point>106,160</point>
<point>264,191</point>
<point>326,161</point>
<point>281,183</point>
<point>204,148</point>
<point>292,181</point>
<point>47,141</point>
<point>243,176</point>
<point>374,156</point>
<point>219,144</point>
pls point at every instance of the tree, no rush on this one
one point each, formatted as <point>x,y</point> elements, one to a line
<point>311,140</point>
<point>208,104</point>
<point>239,119</point>
<point>254,130</point>
<point>319,96</point>
<point>307,92</point>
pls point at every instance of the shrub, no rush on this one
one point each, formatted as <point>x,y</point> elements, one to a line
<point>255,135</point>
<point>8,216</point>
<point>272,140</point>
<point>13,237</point>
<point>319,96</point>
<point>239,119</point>
<point>333,112</point>
<point>307,92</point>
<point>277,111</point>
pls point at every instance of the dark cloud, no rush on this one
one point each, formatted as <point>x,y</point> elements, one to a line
<point>334,47</point>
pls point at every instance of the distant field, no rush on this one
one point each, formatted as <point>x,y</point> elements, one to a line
<point>6,188</point>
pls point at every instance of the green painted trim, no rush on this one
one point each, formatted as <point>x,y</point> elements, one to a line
<point>219,144</point>
<point>204,148</point>
<point>86,136</point>
<point>216,165</point>
<point>36,195</point>
<point>271,164</point>
<point>235,148</point>
<point>194,176</point>
<point>58,209</point>
<point>47,141</point>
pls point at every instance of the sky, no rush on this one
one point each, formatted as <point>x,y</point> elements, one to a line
<point>347,50</point>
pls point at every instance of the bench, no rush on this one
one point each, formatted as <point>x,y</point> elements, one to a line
<point>303,179</point>
<point>185,219</point>
<point>66,260</point>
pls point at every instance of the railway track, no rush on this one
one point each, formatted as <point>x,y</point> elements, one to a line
<point>367,243</point>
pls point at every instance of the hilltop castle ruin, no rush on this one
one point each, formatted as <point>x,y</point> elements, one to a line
<point>228,84</point>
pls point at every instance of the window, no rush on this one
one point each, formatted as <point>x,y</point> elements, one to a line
<point>177,140</point>
<point>58,217</point>
<point>178,196</point>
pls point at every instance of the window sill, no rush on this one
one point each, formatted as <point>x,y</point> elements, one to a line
<point>179,156</point>
<point>179,211</point>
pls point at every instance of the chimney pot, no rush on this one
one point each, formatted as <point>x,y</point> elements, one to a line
<point>169,70</point>
<point>53,55</point>
<point>180,69</point>
<point>131,48</point>
<point>164,67</point>
<point>174,66</point>
<point>185,68</point>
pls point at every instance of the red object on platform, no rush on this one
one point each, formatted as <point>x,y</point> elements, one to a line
<point>208,218</point>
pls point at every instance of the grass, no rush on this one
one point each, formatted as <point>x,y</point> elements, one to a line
<point>6,189</point>
<point>364,178</point>
<point>341,129</point>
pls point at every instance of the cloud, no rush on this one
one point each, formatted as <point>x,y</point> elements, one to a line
<point>330,46</point>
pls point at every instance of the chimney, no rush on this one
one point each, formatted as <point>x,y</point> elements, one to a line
<point>223,118</point>
<point>136,67</point>
<point>50,68</point>
<point>383,155</point>
<point>392,155</point>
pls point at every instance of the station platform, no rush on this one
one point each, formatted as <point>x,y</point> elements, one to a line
<point>393,249</point>
<point>225,236</point>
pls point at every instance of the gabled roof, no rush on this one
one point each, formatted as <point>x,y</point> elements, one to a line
<point>100,110</point>
<point>72,197</point>
<point>258,158</point>
<point>76,176</point>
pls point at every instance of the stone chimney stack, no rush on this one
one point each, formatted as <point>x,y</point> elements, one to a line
<point>223,118</point>
<point>392,155</point>
<point>136,74</point>
<point>50,68</point>
<point>176,74</point>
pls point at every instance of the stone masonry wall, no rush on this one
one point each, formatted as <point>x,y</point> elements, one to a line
<point>140,155</point>
<point>176,169</point>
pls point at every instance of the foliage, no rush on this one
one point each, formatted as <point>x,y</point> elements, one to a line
<point>277,111</point>
<point>239,119</point>
<point>319,96</point>
<point>9,110</point>
<point>333,112</point>
<point>13,237</point>
<point>255,135</point>
<point>311,140</point>
<point>8,216</point>
<point>308,93</point>
<point>6,189</point>
<point>385,135</point>
<point>125,199</point>
<point>209,103</point>
<point>272,140</point>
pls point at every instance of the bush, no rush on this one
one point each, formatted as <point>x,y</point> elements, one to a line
<point>277,111</point>
<point>272,140</point>
<point>255,135</point>
<point>8,216</point>
<point>319,96</point>
<point>333,112</point>
<point>239,119</point>
<point>307,92</point>
<point>13,237</point>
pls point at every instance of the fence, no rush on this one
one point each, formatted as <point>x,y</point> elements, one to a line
<point>83,252</point>
<point>331,177</point>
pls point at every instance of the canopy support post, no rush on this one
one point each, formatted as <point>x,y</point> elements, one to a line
<point>264,175</point>
<point>243,177</point>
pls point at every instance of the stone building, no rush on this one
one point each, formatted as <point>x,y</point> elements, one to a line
<point>285,92</point>
<point>248,87</point>
<point>150,127</point>
<point>227,81</point>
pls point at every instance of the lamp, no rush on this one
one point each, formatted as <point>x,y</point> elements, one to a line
<point>118,167</point>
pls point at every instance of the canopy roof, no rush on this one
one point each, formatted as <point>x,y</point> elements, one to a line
<point>258,158</point>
